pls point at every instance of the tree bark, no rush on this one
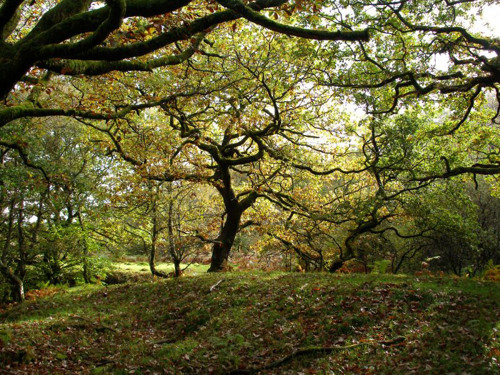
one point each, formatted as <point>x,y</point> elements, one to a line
<point>18,276</point>
<point>336,266</point>
<point>18,290</point>
<point>222,248</point>
<point>174,254</point>
<point>17,284</point>
<point>152,261</point>
<point>234,210</point>
<point>154,239</point>
<point>87,277</point>
<point>177,268</point>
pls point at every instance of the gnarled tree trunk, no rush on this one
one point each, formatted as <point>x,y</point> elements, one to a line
<point>234,210</point>
<point>222,247</point>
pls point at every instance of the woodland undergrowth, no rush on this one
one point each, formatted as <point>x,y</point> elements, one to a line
<point>268,323</point>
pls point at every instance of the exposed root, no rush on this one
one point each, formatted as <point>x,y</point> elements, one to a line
<point>315,350</point>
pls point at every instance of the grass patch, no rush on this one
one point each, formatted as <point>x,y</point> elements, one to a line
<point>253,319</point>
<point>143,267</point>
<point>123,272</point>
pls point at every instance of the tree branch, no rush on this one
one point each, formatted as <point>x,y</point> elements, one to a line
<point>259,19</point>
<point>8,18</point>
<point>116,12</point>
<point>77,67</point>
<point>482,169</point>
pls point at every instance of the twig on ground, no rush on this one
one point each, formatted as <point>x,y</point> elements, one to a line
<point>104,362</point>
<point>212,288</point>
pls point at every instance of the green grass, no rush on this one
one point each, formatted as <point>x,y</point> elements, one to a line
<point>252,319</point>
<point>143,267</point>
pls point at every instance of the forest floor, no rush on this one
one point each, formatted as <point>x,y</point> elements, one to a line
<point>267,323</point>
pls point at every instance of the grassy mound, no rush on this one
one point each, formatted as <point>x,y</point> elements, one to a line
<point>242,322</point>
